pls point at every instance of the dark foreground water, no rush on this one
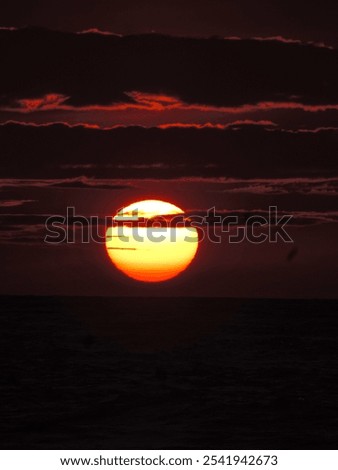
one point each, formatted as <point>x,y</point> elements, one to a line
<point>98,373</point>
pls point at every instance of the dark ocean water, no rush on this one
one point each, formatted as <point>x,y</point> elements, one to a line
<point>147,373</point>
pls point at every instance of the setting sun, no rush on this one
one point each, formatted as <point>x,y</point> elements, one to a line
<point>145,246</point>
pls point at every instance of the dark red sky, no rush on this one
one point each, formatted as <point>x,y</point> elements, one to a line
<point>240,124</point>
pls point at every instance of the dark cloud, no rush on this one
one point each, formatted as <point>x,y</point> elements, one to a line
<point>84,183</point>
<point>45,69</point>
<point>59,152</point>
<point>291,18</point>
<point>306,186</point>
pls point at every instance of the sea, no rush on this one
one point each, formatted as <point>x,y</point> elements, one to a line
<point>168,373</point>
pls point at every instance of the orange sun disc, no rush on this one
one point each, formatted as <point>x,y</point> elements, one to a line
<point>148,252</point>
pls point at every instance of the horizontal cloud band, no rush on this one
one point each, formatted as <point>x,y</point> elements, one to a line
<point>59,152</point>
<point>92,69</point>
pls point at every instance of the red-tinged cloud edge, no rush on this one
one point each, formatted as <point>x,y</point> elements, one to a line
<point>277,38</point>
<point>149,110</point>
<point>15,202</point>
<point>154,103</point>
<point>209,125</point>
<point>44,103</point>
<point>56,123</point>
<point>99,31</point>
<point>283,40</point>
<point>234,125</point>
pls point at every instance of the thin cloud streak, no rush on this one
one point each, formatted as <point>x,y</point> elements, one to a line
<point>267,186</point>
<point>156,103</point>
